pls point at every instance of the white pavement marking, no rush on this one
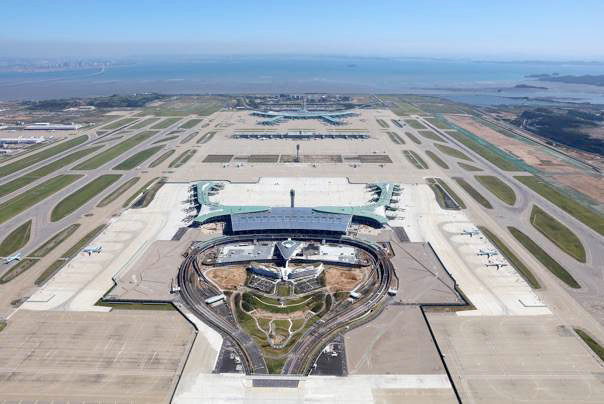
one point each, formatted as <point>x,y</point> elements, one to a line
<point>228,388</point>
<point>310,192</point>
<point>82,282</point>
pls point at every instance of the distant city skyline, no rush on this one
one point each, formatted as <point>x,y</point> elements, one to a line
<point>511,30</point>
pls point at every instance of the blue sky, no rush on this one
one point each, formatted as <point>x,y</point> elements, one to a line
<point>512,29</point>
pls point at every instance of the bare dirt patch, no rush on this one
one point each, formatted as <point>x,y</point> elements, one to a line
<point>229,277</point>
<point>339,279</point>
<point>590,186</point>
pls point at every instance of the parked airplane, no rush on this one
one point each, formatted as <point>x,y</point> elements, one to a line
<point>488,253</point>
<point>470,233</point>
<point>16,257</point>
<point>92,249</point>
<point>497,265</point>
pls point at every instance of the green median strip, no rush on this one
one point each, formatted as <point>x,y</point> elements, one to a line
<point>28,161</point>
<point>439,123</point>
<point>114,151</point>
<point>428,134</point>
<point>190,123</point>
<point>413,138</point>
<point>118,124</point>
<point>518,265</point>
<point>548,262</point>
<point>415,159</point>
<point>40,252</point>
<point>143,123</point>
<point>473,192</point>
<point>591,343</point>
<point>437,159</point>
<point>458,154</point>
<point>557,233</point>
<point>29,198</point>
<point>41,172</point>
<point>76,248</point>
<point>161,158</point>
<point>415,124</point>
<point>118,192</point>
<point>16,239</point>
<point>587,216</point>
<point>478,146</point>
<point>140,191</point>
<point>166,139</point>
<point>74,201</point>
<point>382,123</point>
<point>498,188</point>
<point>182,159</point>
<point>163,124</point>
<point>468,167</point>
<point>136,159</point>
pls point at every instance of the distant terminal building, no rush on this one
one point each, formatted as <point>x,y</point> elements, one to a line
<point>22,140</point>
<point>299,135</point>
<point>330,117</point>
<point>51,126</point>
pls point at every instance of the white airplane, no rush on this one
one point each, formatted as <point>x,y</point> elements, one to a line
<point>488,253</point>
<point>16,257</point>
<point>470,233</point>
<point>92,249</point>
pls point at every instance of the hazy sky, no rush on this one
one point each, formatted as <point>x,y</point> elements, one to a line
<point>510,29</point>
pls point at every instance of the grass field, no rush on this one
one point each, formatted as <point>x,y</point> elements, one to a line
<point>136,159</point>
<point>591,343</point>
<point>190,123</point>
<point>182,159</point>
<point>415,159</point>
<point>413,138</point>
<point>468,167</point>
<point>163,124</point>
<point>400,107</point>
<point>29,198</point>
<point>473,192</point>
<point>118,192</point>
<point>114,151</point>
<point>43,250</point>
<point>456,153</point>
<point>439,123</point>
<point>119,123</point>
<point>484,152</point>
<point>428,134</point>
<point>415,124</point>
<point>74,201</point>
<point>143,123</point>
<point>557,233</point>
<point>188,138</point>
<point>43,171</point>
<point>161,158</point>
<point>582,213</point>
<point>16,239</point>
<point>518,265</point>
<point>548,262</point>
<point>136,306</point>
<point>498,188</point>
<point>28,161</point>
<point>437,159</point>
